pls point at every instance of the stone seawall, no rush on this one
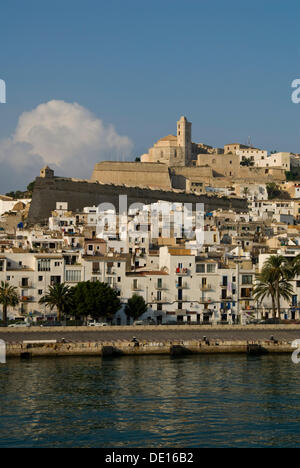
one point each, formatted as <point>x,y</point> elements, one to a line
<point>130,348</point>
<point>48,191</point>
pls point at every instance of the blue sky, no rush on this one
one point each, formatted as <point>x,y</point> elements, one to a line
<point>226,65</point>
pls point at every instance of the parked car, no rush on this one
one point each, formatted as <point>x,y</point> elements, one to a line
<point>139,322</point>
<point>19,325</point>
<point>97,324</point>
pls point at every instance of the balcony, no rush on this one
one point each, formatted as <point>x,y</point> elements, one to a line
<point>161,288</point>
<point>182,271</point>
<point>223,285</point>
<point>226,299</point>
<point>206,287</point>
<point>27,299</point>
<point>27,285</point>
<point>182,286</point>
<point>110,272</point>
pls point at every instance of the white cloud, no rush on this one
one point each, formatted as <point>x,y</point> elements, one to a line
<point>65,136</point>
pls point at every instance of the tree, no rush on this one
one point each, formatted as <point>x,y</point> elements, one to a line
<point>265,288</point>
<point>30,187</point>
<point>59,296</point>
<point>246,191</point>
<point>274,280</point>
<point>95,299</point>
<point>280,272</point>
<point>8,298</point>
<point>247,162</point>
<point>273,190</point>
<point>135,307</point>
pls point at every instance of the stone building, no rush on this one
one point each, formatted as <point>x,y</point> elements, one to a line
<point>173,150</point>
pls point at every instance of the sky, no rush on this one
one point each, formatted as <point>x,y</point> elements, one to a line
<point>97,80</point>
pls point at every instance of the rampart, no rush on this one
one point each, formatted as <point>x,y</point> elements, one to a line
<point>79,194</point>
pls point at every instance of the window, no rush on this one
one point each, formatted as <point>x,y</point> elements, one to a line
<point>40,292</point>
<point>44,264</point>
<point>211,268</point>
<point>57,264</point>
<point>73,276</point>
<point>41,278</point>
<point>55,280</point>
<point>200,268</point>
<point>96,267</point>
<point>246,292</point>
<point>25,282</point>
<point>247,279</point>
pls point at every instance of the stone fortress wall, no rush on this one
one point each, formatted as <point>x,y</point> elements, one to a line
<point>79,194</point>
<point>134,174</point>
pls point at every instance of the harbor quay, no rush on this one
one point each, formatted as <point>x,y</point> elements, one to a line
<point>118,341</point>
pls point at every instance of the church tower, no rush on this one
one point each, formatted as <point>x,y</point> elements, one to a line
<point>184,138</point>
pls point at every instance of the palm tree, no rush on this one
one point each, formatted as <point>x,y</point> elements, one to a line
<point>280,272</point>
<point>59,296</point>
<point>8,298</point>
<point>265,288</point>
<point>274,281</point>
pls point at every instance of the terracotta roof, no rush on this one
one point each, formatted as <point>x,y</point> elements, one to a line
<point>168,138</point>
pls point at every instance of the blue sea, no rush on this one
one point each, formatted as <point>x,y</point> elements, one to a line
<point>151,401</point>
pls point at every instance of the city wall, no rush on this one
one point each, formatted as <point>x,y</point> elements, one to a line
<point>78,194</point>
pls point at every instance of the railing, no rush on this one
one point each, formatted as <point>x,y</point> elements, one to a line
<point>27,299</point>
<point>182,286</point>
<point>181,271</point>
<point>26,286</point>
<point>205,287</point>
